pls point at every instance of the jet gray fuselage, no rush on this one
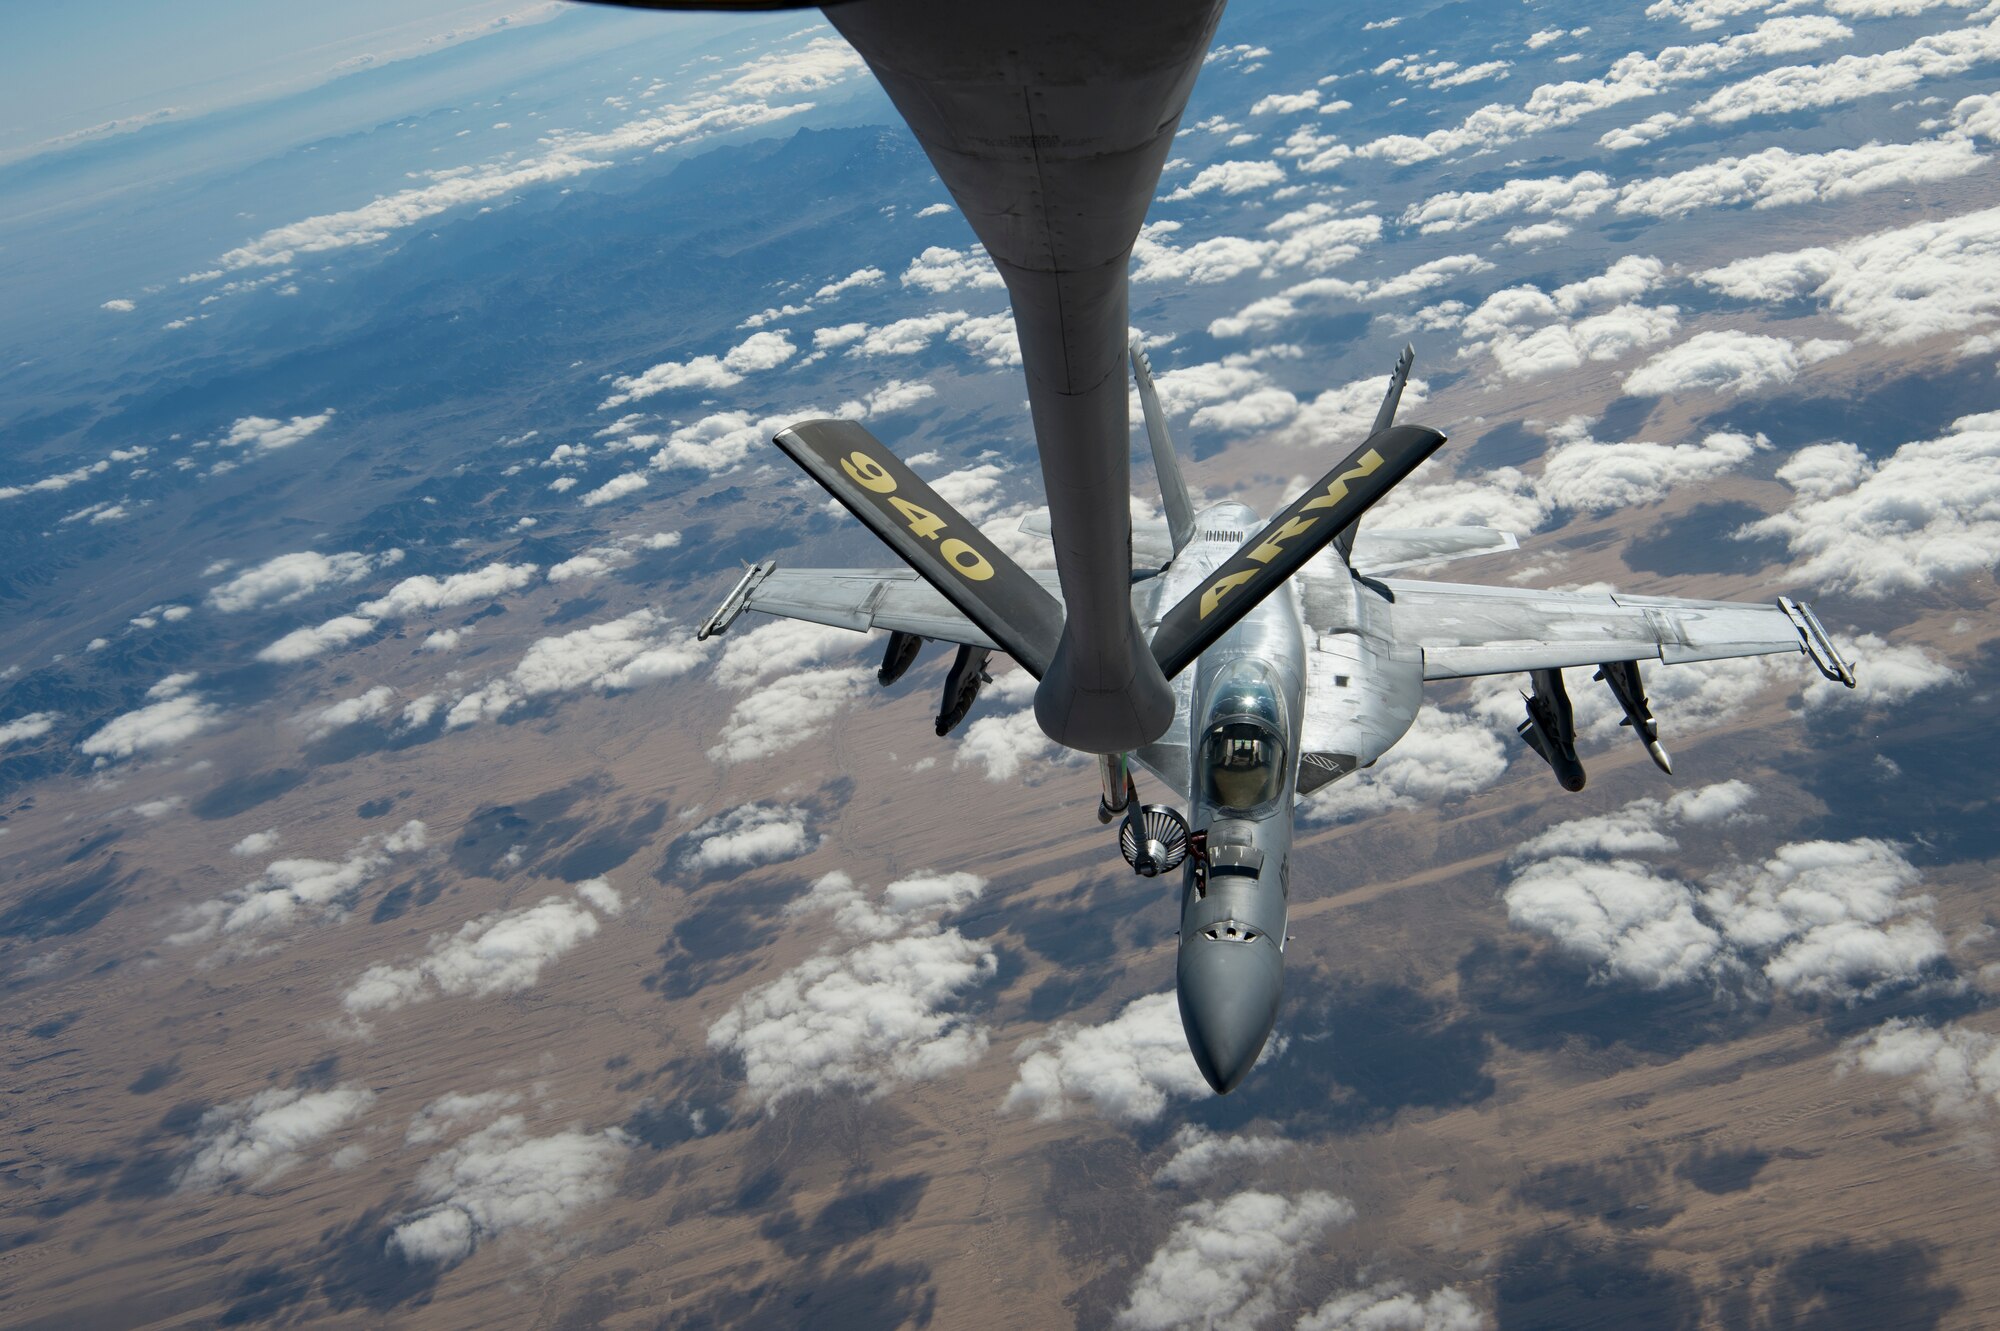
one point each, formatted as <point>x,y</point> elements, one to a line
<point>1235,895</point>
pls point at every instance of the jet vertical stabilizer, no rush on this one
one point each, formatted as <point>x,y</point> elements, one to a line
<point>1385,417</point>
<point>1262,564</point>
<point>934,539</point>
<point>1173,489</point>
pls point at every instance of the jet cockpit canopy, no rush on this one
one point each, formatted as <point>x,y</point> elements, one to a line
<point>1243,752</point>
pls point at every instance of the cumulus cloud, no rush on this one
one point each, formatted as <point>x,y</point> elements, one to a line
<point>411,596</point>
<point>1199,1154</point>
<point>1630,78</point>
<point>939,269</point>
<point>424,592</point>
<point>872,1014</point>
<point>1558,347</point>
<point>1573,196</point>
<point>1231,178</point>
<point>753,834</point>
<point>438,1119</point>
<point>267,434</point>
<point>255,843</point>
<point>291,889</point>
<point>906,337</point>
<point>1587,475</point>
<point>1927,513</point>
<point>1954,1070</point>
<point>1728,361</point>
<point>306,643</point>
<point>860,277</point>
<point>255,1140</point>
<point>1893,673</point>
<point>1286,103</point>
<point>1123,1069</point>
<point>1777,177</point>
<point>1230,1263</point>
<point>780,647</point>
<point>369,706</point>
<point>1791,89</point>
<point>893,395</point>
<point>723,439</point>
<point>1006,746</point>
<point>503,952</point>
<point>991,337</point>
<point>1819,919</point>
<point>499,1179</point>
<point>640,648</point>
<point>1390,1306</point>
<point>617,487</point>
<point>1445,755</point>
<point>736,103</point>
<point>1894,287</point>
<point>119,306</point>
<point>785,714</point>
<point>1273,311</point>
<point>160,725</point>
<point>1636,923</point>
<point>1204,263</point>
<point>287,578</point>
<point>754,354</point>
<point>24,728</point>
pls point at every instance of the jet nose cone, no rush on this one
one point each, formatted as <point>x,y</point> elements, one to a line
<point>1229,1001</point>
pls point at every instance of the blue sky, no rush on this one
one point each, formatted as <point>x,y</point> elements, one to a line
<point>68,68</point>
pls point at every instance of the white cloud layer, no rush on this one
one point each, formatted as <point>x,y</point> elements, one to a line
<point>1123,1069</point>
<point>1926,514</point>
<point>753,834</point>
<point>1894,287</point>
<point>1953,1069</point>
<point>872,1013</point>
<point>501,953</point>
<point>753,355</point>
<point>254,1140</point>
<point>739,102</point>
<point>500,1179</point>
<point>1199,1154</point>
<point>640,648</point>
<point>1728,361</point>
<point>1445,755</point>
<point>1390,1306</point>
<point>290,889</point>
<point>287,578</point>
<point>1231,1263</point>
<point>1817,919</point>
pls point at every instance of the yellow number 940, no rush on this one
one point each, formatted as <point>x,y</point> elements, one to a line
<point>966,561</point>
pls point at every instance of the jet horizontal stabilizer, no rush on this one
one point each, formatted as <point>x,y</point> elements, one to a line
<point>940,544</point>
<point>1262,563</point>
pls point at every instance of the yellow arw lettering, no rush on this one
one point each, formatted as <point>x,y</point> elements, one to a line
<point>1337,491</point>
<point>1274,546</point>
<point>1221,587</point>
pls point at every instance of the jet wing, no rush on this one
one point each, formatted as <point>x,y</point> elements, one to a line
<point>1377,551</point>
<point>856,598</point>
<point>1467,630</point>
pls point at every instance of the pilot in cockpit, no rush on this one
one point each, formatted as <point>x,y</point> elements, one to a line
<point>1244,750</point>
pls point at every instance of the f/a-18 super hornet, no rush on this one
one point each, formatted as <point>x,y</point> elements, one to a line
<point>1294,659</point>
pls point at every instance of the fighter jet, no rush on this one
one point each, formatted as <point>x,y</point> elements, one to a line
<point>1294,660</point>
